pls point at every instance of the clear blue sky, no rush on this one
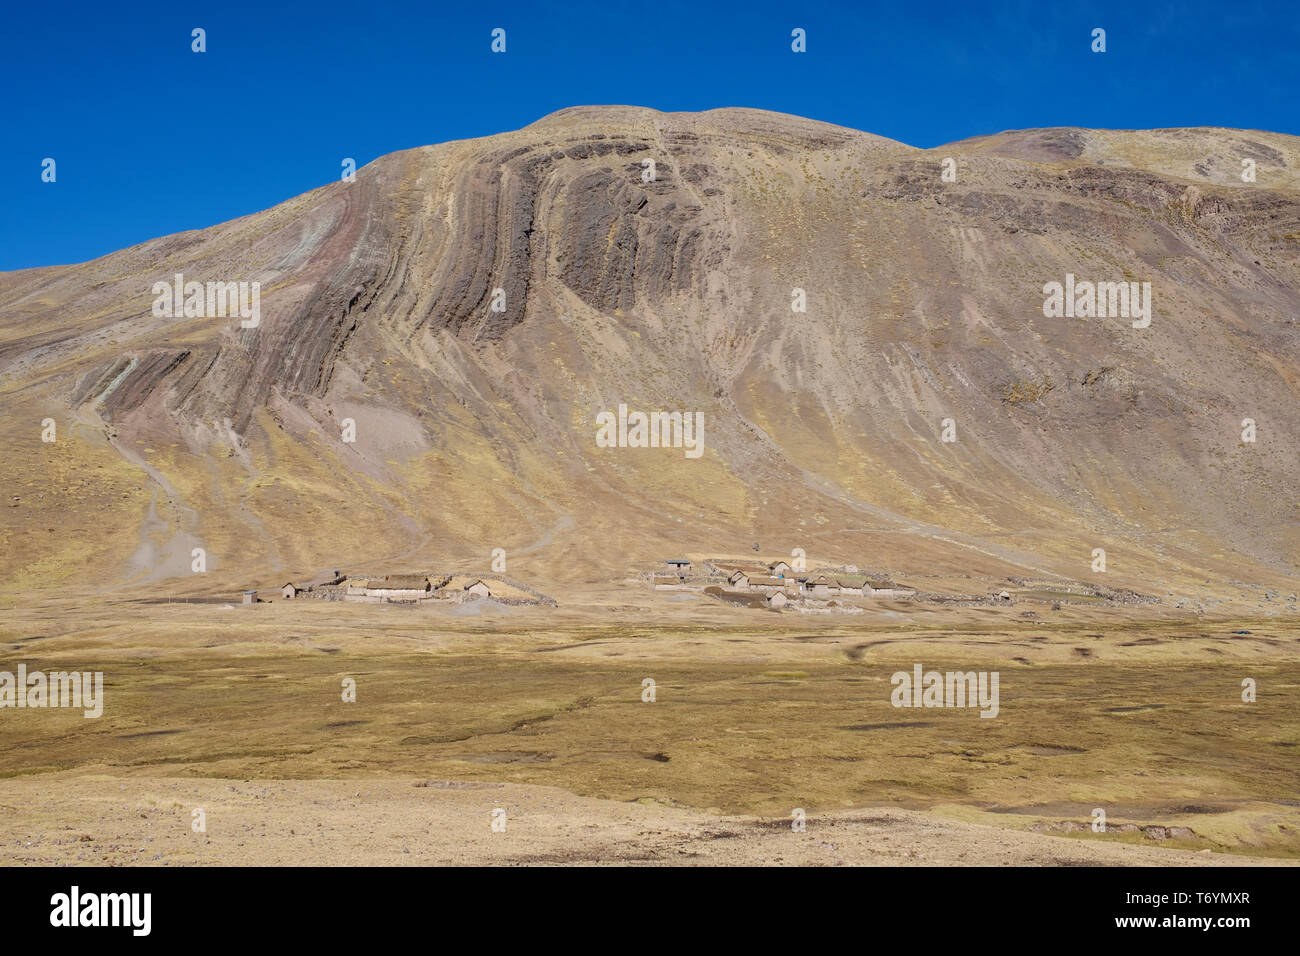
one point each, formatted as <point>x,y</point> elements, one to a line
<point>150,138</point>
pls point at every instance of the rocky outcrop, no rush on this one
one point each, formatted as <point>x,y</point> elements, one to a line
<point>471,307</point>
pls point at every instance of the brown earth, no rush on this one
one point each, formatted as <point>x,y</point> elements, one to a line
<point>148,821</point>
<point>476,429</point>
<point>756,712</point>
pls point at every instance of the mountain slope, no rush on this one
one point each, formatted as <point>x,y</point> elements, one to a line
<point>476,428</point>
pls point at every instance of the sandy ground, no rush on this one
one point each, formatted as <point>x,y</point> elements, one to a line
<point>144,821</point>
<point>541,712</point>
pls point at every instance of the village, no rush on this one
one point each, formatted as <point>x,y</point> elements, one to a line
<point>411,589</point>
<point>780,584</point>
<point>753,583</point>
<point>774,584</point>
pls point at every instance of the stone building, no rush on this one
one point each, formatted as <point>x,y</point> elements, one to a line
<point>398,588</point>
<point>680,566</point>
<point>884,588</point>
<point>821,586</point>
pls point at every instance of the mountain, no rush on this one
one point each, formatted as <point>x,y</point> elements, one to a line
<point>473,307</point>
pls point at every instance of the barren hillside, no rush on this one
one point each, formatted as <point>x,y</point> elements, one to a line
<point>475,427</point>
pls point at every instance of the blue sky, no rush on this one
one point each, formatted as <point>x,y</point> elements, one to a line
<point>150,138</point>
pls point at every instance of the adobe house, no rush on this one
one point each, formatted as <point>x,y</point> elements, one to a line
<point>681,567</point>
<point>778,570</point>
<point>288,591</point>
<point>821,586</point>
<point>250,597</point>
<point>777,599</point>
<point>477,589</point>
<point>739,580</point>
<point>398,587</point>
<point>884,588</point>
<point>764,583</point>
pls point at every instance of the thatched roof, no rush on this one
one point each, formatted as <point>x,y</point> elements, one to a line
<point>749,567</point>
<point>402,582</point>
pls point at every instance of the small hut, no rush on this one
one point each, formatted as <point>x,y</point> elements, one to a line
<point>289,591</point>
<point>399,588</point>
<point>477,589</point>
<point>821,586</point>
<point>885,588</point>
<point>250,597</point>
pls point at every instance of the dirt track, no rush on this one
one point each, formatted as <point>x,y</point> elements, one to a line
<point>147,822</point>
